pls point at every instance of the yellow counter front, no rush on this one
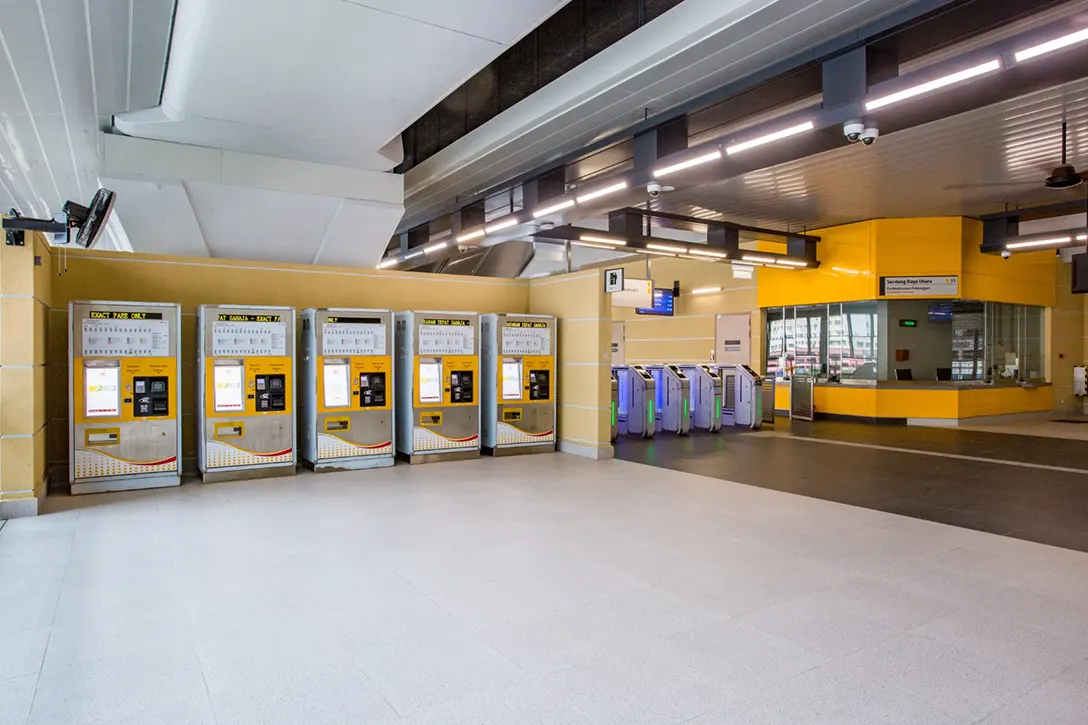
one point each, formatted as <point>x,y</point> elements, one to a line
<point>922,401</point>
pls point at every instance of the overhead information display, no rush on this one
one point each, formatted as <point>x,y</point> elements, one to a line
<point>119,337</point>
<point>526,338</point>
<point>353,338</point>
<point>234,338</point>
<point>446,337</point>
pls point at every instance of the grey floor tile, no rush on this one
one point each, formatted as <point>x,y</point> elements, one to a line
<point>956,680</point>
<point>155,686</point>
<point>1068,584</point>
<point>1060,701</point>
<point>90,638</point>
<point>496,602</point>
<point>955,585</point>
<point>26,612</point>
<point>16,696</point>
<point>21,652</point>
<point>528,703</point>
<point>820,625</point>
<point>882,601</point>
<point>1069,619</point>
<point>431,672</point>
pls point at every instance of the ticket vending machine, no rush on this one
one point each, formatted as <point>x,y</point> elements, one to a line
<point>706,397</point>
<point>346,386</point>
<point>246,406</point>
<point>641,418</point>
<point>437,397</point>
<point>673,398</point>
<point>518,390</point>
<point>124,384</point>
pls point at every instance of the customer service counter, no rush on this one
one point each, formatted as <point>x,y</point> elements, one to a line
<point>923,402</point>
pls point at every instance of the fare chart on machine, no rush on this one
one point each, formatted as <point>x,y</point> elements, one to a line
<point>353,339</point>
<point>249,338</point>
<point>124,338</point>
<point>446,340</point>
<point>526,341</point>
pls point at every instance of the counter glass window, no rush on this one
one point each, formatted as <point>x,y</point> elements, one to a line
<point>954,341</point>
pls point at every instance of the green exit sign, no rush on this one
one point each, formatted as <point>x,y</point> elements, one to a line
<point>908,323</point>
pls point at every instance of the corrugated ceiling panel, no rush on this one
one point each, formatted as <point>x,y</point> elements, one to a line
<point>151,24</point>
<point>109,41</point>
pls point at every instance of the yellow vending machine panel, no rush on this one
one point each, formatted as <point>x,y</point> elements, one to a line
<point>346,385</point>
<point>519,385</point>
<point>247,392</point>
<point>124,374</point>
<point>438,386</point>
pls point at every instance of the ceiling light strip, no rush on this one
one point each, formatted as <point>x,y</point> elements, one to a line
<point>506,224</point>
<point>602,192</point>
<point>791,262</point>
<point>758,258</point>
<point>594,246</point>
<point>705,158</point>
<point>471,235</point>
<point>435,247</point>
<point>1052,242</point>
<point>668,248</point>
<point>554,208</point>
<point>706,290</point>
<point>771,137</point>
<point>933,85</point>
<point>1051,45</point>
<point>603,240</point>
<point>704,253</point>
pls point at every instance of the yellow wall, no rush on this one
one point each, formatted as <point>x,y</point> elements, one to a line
<point>871,402</point>
<point>688,336</point>
<point>192,281</point>
<point>25,296</point>
<point>579,303</point>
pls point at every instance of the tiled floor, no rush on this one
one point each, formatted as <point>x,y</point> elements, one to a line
<point>545,591</point>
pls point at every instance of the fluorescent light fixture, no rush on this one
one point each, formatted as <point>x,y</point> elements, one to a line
<point>659,254</point>
<point>705,158</point>
<point>705,253</point>
<point>595,246</point>
<point>603,240</point>
<point>386,263</point>
<point>602,192</point>
<point>791,262</point>
<point>758,258</point>
<point>1082,237</point>
<point>933,85</point>
<point>435,247</point>
<point>554,208</point>
<point>505,224</point>
<point>471,235</point>
<point>743,271</point>
<point>1051,45</point>
<point>706,290</point>
<point>413,255</point>
<point>668,248</point>
<point>776,136</point>
<point>1052,242</point>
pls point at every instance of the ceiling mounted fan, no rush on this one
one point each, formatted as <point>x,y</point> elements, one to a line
<point>1064,176</point>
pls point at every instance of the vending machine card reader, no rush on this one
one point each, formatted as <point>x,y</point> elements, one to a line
<point>346,384</point>
<point>246,405</point>
<point>124,396</point>
<point>437,398</point>
<point>519,383</point>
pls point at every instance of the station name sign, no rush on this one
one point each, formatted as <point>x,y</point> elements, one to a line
<point>941,286</point>
<point>249,318</point>
<point>445,322</point>
<point>532,325</point>
<point>114,315</point>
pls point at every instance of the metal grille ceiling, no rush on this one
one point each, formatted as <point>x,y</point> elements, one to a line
<point>905,174</point>
<point>574,34</point>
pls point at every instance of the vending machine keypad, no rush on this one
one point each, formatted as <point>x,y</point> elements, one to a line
<point>150,397</point>
<point>271,393</point>
<point>461,386</point>
<point>372,390</point>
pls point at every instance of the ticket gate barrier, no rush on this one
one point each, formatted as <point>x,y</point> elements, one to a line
<point>621,374</point>
<point>519,384</point>
<point>672,399</point>
<point>246,405</point>
<point>706,396</point>
<point>124,385</point>
<point>437,400</point>
<point>346,384</point>
<point>615,405</point>
<point>641,408</point>
<point>743,401</point>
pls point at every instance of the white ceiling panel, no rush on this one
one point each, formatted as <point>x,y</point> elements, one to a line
<point>472,18</point>
<point>357,234</point>
<point>158,217</point>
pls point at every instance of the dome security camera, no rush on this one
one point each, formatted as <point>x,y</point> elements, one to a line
<point>653,189</point>
<point>870,135</point>
<point>853,131</point>
<point>1005,254</point>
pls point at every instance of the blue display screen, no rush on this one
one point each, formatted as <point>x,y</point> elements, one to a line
<point>662,304</point>
<point>940,312</point>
